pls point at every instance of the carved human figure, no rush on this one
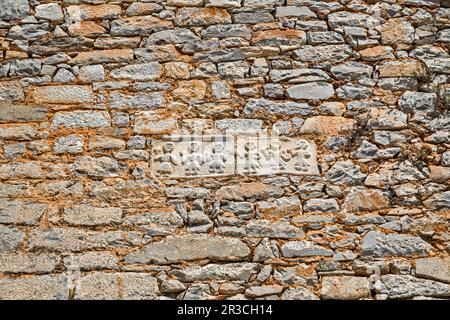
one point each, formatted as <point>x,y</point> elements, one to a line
<point>275,156</point>
<point>301,155</point>
<point>193,159</point>
<point>167,160</point>
<point>217,158</point>
<point>251,158</point>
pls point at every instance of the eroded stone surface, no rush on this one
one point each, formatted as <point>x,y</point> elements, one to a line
<point>345,288</point>
<point>192,247</point>
<point>435,268</point>
<point>383,245</point>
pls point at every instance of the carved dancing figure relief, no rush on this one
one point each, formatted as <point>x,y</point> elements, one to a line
<point>214,157</point>
<point>217,158</point>
<point>301,154</point>
<point>193,159</point>
<point>251,158</point>
<point>272,154</point>
<point>167,160</point>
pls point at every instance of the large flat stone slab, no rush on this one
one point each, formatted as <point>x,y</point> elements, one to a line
<point>189,248</point>
<point>435,268</point>
<point>384,245</point>
<point>47,287</point>
<point>13,9</point>
<point>345,288</point>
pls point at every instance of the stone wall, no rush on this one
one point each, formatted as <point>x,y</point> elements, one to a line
<point>97,203</point>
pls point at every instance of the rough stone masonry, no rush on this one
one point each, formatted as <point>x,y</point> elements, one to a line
<point>95,204</point>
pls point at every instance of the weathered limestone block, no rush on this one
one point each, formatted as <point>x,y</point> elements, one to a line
<point>31,170</point>
<point>49,11</point>
<point>304,249</point>
<point>96,167</point>
<point>81,119</point>
<point>92,260</point>
<point>46,287</point>
<point>396,31</point>
<point>190,90</point>
<point>435,268</point>
<point>87,215</point>
<point>412,102</point>
<point>295,11</point>
<point>345,288</point>
<point>62,44</point>
<point>138,25</point>
<point>384,245</point>
<point>265,290</point>
<point>327,125</point>
<point>86,29</point>
<point>105,143</point>
<point>298,293</point>
<point>93,12</point>
<point>92,73</point>
<point>440,201</point>
<point>321,205</point>
<point>113,286</point>
<point>103,56</point>
<point>118,100</point>
<point>67,94</point>
<point>351,71</point>
<point>25,67</point>
<point>22,113</point>
<point>257,108</point>
<point>68,144</point>
<point>19,132</point>
<point>279,37</point>
<point>363,199</point>
<point>268,229</point>
<point>345,173</point>
<point>389,119</point>
<point>11,91</point>
<point>74,240</point>
<point>172,36</point>
<point>326,55</point>
<point>28,32</point>
<point>191,17</point>
<point>146,122</point>
<point>324,37</point>
<point>257,191</point>
<point>342,18</point>
<point>377,53</point>
<point>11,238</point>
<point>311,91</point>
<point>406,286</point>
<point>28,263</point>
<point>402,68</point>
<point>227,30</point>
<point>229,272</point>
<point>185,3</point>
<point>253,16</point>
<point>223,3</point>
<point>160,221</point>
<point>284,206</point>
<point>298,75</point>
<point>233,70</point>
<point>13,9</point>
<point>19,212</point>
<point>176,249</point>
<point>139,8</point>
<point>438,65</point>
<point>138,72</point>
